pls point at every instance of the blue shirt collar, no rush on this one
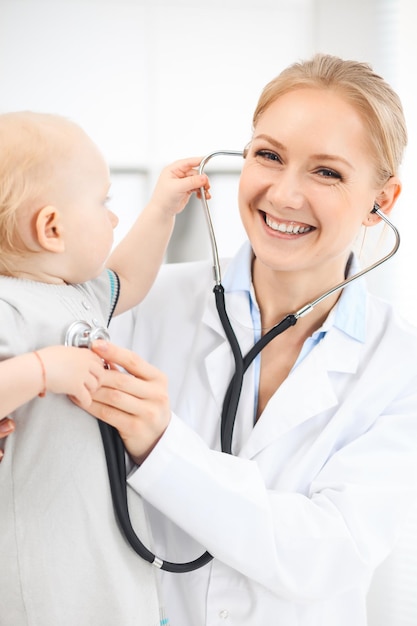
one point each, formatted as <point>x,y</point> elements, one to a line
<point>348,315</point>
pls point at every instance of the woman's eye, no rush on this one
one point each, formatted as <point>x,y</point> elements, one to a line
<point>325,172</point>
<point>268,156</point>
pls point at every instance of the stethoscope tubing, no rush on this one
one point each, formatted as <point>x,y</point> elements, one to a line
<point>232,396</point>
<point>116,468</point>
<point>213,242</point>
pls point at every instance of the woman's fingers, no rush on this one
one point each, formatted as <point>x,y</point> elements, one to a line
<point>7,426</point>
<point>132,395</point>
<point>128,360</point>
<point>135,400</point>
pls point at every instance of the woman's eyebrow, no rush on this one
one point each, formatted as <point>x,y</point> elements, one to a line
<point>271,140</point>
<point>332,157</point>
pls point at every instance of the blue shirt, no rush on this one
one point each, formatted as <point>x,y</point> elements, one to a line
<point>348,315</point>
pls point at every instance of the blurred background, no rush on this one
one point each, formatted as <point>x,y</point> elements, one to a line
<point>156,80</point>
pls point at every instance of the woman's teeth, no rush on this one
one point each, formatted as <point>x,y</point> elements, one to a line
<point>290,228</point>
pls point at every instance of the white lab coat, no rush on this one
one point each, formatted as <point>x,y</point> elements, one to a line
<point>315,494</point>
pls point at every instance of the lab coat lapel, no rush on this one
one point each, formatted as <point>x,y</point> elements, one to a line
<point>308,391</point>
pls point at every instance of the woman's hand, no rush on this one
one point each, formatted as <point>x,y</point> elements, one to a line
<point>6,428</point>
<point>135,401</point>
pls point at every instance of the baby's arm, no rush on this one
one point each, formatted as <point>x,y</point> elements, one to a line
<point>59,369</point>
<point>138,257</point>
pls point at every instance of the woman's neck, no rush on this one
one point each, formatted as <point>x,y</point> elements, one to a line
<point>281,293</point>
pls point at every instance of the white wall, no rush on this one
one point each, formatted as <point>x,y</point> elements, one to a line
<point>149,79</point>
<point>406,216</point>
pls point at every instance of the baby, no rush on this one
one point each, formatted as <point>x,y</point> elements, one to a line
<point>64,560</point>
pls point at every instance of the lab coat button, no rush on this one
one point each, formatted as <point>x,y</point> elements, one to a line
<point>224,614</point>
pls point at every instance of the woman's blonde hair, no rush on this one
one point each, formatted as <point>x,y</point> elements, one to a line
<point>30,147</point>
<point>376,102</point>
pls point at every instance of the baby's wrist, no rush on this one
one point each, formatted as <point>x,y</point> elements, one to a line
<point>161,211</point>
<point>42,393</point>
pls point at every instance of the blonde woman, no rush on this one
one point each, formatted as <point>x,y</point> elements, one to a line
<point>323,467</point>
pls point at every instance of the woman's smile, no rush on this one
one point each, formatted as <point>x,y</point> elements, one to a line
<point>288,228</point>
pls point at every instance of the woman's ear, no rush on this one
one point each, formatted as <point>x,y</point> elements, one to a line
<point>49,229</point>
<point>385,200</point>
<point>389,195</point>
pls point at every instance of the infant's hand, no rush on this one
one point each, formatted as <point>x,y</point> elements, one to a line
<point>176,184</point>
<point>76,372</point>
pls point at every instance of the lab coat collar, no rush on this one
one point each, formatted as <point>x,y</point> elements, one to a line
<point>238,277</point>
<point>308,391</point>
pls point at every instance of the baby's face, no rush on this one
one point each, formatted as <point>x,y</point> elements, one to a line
<point>82,199</point>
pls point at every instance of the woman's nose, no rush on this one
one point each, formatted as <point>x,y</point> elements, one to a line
<point>285,189</point>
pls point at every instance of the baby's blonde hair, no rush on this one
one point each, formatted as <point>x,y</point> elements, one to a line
<point>31,146</point>
<point>373,98</point>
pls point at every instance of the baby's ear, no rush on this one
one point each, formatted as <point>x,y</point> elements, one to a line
<point>49,229</point>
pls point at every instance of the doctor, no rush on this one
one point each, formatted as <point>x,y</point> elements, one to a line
<point>324,465</point>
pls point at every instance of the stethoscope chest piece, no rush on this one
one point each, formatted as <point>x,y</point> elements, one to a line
<point>81,334</point>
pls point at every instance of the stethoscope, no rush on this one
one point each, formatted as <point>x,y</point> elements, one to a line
<point>81,334</point>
